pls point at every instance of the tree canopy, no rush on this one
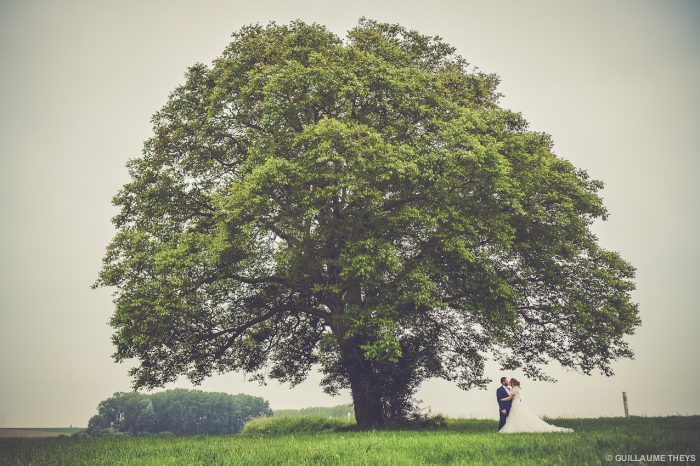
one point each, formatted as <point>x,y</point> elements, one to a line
<point>179,411</point>
<point>364,205</point>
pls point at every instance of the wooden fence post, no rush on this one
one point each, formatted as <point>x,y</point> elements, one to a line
<point>624,401</point>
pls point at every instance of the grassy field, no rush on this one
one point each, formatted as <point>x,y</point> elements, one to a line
<point>463,442</point>
<point>338,411</point>
<point>37,431</point>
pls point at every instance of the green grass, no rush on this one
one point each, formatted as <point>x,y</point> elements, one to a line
<point>295,425</point>
<point>338,411</point>
<point>464,441</point>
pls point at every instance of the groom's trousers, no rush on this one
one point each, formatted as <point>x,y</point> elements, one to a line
<point>502,419</point>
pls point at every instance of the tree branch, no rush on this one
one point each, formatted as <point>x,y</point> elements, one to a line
<point>238,331</point>
<point>288,238</point>
<point>394,203</point>
<point>259,280</point>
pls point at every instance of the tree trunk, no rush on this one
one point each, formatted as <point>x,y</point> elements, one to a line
<point>364,381</point>
<point>366,389</point>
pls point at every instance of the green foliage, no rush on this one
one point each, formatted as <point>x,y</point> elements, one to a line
<point>464,441</point>
<point>339,411</point>
<point>299,425</point>
<point>195,412</point>
<point>365,205</point>
<point>128,412</point>
<point>176,412</point>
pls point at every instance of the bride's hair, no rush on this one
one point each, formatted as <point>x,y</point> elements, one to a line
<point>515,382</point>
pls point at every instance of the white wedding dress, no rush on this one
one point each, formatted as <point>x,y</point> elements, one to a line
<point>521,419</point>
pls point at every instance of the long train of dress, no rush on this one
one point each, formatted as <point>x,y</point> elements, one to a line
<point>521,419</point>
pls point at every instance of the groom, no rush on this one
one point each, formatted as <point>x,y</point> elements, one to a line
<point>503,406</point>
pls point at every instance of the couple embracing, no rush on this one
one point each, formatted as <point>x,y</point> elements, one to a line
<point>514,415</point>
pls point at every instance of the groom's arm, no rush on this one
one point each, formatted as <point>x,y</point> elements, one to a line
<point>499,395</point>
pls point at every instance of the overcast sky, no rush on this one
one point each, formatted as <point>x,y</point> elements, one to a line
<point>614,83</point>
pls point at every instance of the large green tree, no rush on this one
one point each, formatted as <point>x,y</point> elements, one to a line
<point>129,412</point>
<point>180,411</point>
<point>364,205</point>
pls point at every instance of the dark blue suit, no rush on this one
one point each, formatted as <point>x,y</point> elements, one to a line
<point>503,393</point>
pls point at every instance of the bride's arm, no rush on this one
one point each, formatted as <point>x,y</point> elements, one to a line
<point>510,397</point>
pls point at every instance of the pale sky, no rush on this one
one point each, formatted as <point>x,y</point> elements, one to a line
<point>614,83</point>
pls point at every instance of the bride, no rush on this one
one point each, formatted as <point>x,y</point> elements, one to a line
<point>521,419</point>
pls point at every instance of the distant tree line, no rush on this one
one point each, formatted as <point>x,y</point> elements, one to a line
<point>178,411</point>
<point>340,411</point>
